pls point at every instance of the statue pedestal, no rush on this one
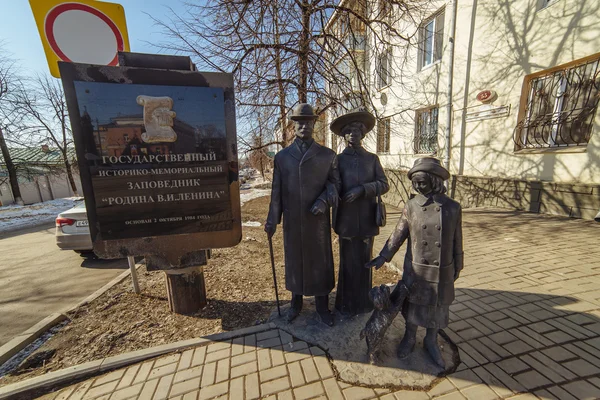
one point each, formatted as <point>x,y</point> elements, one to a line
<point>349,353</point>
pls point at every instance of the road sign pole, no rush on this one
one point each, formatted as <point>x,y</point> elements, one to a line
<point>134,277</point>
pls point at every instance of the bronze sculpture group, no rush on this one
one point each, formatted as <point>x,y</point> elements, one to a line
<point>309,180</point>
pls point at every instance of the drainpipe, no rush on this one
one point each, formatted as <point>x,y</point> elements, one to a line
<point>450,79</point>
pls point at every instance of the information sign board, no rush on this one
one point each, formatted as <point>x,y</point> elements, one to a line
<point>157,155</point>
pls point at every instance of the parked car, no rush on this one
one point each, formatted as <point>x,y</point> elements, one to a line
<point>73,231</point>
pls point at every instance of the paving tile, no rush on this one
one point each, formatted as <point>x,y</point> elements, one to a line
<point>560,393</point>
<point>199,355</point>
<point>532,379</point>
<point>113,376</point>
<point>217,355</point>
<point>236,388</point>
<point>502,337</point>
<point>408,395</point>
<point>295,373</point>
<point>101,390</point>
<point>188,374</point>
<point>277,385</point>
<point>308,391</point>
<point>558,353</point>
<point>164,385</point>
<point>148,389</point>
<point>297,355</point>
<point>581,367</point>
<point>492,381</point>
<point>218,346</point>
<point>545,363</point>
<point>310,371</point>
<point>208,374</point>
<point>518,347</point>
<point>185,387</point>
<point>192,395</point>
<point>277,357</point>
<point>332,389</point>
<point>249,343</point>
<point>323,366</point>
<point>273,373</point>
<point>358,393</point>
<point>129,376</point>
<point>243,358</point>
<point>452,396</point>
<point>479,392</point>
<point>285,337</point>
<point>222,370</point>
<point>267,334</point>
<point>167,360</point>
<point>287,395</point>
<point>210,392</point>
<point>582,390</point>
<point>127,392</point>
<point>162,371</point>
<point>442,387</point>
<point>272,342</point>
<point>252,387</point>
<point>245,369</point>
<point>186,360</point>
<point>464,379</point>
<point>237,346</point>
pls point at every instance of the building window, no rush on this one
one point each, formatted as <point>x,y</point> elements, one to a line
<point>383,135</point>
<point>126,138</point>
<point>558,106</point>
<point>431,40</point>
<point>545,3</point>
<point>384,69</point>
<point>426,131</point>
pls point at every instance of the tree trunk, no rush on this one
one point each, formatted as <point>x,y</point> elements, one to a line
<point>12,171</point>
<point>304,49</point>
<point>70,174</point>
<point>280,89</point>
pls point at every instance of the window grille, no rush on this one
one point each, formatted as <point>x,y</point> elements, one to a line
<point>560,108</point>
<point>426,131</point>
<point>383,135</point>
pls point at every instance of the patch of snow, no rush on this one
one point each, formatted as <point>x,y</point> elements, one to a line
<point>252,223</point>
<point>253,194</point>
<point>15,217</point>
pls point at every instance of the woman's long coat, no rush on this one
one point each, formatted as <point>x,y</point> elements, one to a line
<point>358,167</point>
<point>299,180</point>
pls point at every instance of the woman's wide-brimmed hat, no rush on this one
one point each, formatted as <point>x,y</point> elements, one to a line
<point>431,165</point>
<point>356,115</point>
<point>303,111</point>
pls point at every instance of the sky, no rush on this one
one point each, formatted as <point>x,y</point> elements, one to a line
<point>20,36</point>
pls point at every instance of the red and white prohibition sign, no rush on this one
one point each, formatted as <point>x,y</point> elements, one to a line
<point>83,34</point>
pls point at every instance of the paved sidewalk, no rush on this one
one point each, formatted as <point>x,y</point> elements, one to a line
<point>526,319</point>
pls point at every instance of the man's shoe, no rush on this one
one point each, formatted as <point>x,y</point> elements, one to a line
<point>291,314</point>
<point>326,318</point>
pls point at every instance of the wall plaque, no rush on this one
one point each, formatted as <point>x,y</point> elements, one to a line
<point>158,158</point>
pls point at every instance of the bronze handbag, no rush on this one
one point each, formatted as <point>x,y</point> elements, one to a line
<point>380,215</point>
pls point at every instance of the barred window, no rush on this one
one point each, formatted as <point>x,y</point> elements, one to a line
<point>431,38</point>
<point>383,135</point>
<point>560,106</point>
<point>426,131</point>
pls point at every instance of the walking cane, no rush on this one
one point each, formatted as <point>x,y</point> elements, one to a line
<point>274,275</point>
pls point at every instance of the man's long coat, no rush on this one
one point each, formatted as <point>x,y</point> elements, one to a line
<point>299,180</point>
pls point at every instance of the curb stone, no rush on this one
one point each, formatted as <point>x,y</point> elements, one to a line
<point>25,338</point>
<point>95,367</point>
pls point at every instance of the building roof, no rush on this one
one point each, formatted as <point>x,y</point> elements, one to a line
<point>37,156</point>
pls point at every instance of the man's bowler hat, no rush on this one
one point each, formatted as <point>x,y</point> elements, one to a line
<point>303,111</point>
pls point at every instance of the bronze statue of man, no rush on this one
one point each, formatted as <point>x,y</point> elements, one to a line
<point>305,185</point>
<point>363,180</point>
<point>431,221</point>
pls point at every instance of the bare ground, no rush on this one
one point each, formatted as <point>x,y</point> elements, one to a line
<point>240,293</point>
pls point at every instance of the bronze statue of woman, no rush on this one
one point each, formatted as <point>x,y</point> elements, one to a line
<point>363,180</point>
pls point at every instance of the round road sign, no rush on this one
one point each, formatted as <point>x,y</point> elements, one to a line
<point>80,33</point>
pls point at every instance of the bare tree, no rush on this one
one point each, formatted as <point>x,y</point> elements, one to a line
<point>43,106</point>
<point>8,82</point>
<point>282,52</point>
